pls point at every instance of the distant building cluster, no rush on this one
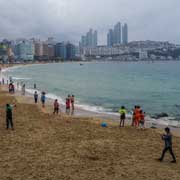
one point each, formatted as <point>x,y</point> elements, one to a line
<point>117,48</point>
<point>89,40</point>
<point>36,49</point>
<point>118,35</point>
<point>136,50</point>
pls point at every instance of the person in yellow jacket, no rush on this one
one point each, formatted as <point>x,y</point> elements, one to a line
<point>122,112</point>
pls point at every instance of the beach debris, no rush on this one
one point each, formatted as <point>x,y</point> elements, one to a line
<point>103,124</point>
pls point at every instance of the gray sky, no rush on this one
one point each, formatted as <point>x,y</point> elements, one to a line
<point>69,19</point>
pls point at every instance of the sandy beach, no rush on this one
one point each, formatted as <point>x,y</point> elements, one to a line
<point>44,146</point>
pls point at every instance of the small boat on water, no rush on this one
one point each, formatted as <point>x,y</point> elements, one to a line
<point>81,64</point>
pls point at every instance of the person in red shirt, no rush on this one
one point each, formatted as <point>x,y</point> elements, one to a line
<point>56,107</point>
<point>137,116</point>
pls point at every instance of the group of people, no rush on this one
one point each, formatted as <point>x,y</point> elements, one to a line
<point>138,117</point>
<point>70,104</point>
<point>138,120</point>
<point>43,98</point>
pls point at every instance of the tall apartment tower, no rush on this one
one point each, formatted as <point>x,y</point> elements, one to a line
<point>125,34</point>
<point>117,34</point>
<point>110,39</point>
<point>114,36</point>
<point>95,38</point>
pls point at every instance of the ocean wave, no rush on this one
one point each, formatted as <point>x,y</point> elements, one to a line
<point>10,69</point>
<point>86,107</point>
<point>20,78</point>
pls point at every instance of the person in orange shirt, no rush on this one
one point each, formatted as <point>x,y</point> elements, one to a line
<point>137,115</point>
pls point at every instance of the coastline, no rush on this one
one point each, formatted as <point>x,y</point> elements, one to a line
<point>80,112</point>
<point>83,114</point>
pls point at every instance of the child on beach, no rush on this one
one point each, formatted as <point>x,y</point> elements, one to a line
<point>35,97</point>
<point>43,99</point>
<point>167,138</point>
<point>142,120</point>
<point>56,107</point>
<point>123,113</point>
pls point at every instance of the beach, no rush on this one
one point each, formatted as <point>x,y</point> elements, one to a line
<point>44,146</point>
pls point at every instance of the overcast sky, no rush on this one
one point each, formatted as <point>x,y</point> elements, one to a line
<point>69,19</point>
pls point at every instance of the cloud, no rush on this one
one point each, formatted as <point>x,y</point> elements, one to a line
<point>69,19</point>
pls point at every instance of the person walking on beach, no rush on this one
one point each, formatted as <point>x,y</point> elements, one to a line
<point>167,138</point>
<point>34,85</point>
<point>43,99</point>
<point>56,107</point>
<point>72,103</point>
<point>9,119</point>
<point>10,87</point>
<point>123,113</point>
<point>35,97</point>
<point>23,89</point>
<point>68,106</point>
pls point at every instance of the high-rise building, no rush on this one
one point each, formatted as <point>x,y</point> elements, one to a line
<point>110,40</point>
<point>71,51</point>
<point>50,41</point>
<point>125,34</point>
<point>61,51</point>
<point>90,39</point>
<point>114,35</point>
<point>25,51</point>
<point>95,38</point>
<point>117,35</point>
<point>65,51</point>
<point>51,51</point>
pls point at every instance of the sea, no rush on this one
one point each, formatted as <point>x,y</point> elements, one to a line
<point>103,87</point>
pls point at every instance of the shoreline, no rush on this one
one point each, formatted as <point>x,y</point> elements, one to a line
<point>150,122</point>
<point>80,113</point>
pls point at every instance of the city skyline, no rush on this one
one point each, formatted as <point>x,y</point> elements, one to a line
<point>68,20</point>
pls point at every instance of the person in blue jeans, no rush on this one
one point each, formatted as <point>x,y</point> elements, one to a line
<point>167,138</point>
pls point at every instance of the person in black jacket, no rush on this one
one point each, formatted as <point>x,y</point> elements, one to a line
<point>168,145</point>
